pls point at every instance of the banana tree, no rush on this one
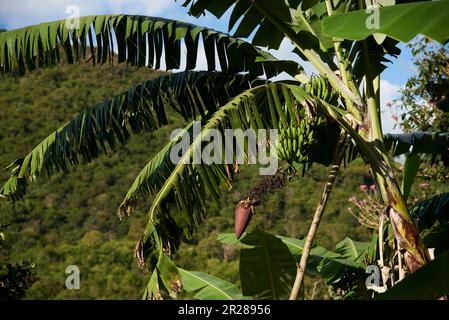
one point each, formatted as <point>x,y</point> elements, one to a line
<point>237,92</point>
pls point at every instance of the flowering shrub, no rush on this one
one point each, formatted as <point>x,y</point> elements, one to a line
<point>367,209</point>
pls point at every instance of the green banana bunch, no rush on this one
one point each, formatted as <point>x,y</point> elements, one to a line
<point>320,87</point>
<point>297,143</point>
<point>302,143</point>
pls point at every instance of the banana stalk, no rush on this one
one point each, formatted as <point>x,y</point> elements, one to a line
<point>335,167</point>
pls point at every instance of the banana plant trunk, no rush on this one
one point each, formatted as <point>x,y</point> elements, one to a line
<point>404,228</point>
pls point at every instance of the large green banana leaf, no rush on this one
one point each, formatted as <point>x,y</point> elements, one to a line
<point>402,22</point>
<point>330,265</point>
<point>140,41</point>
<point>108,124</point>
<point>267,269</point>
<point>428,282</point>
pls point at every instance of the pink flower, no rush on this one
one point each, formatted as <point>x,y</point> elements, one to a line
<point>424,185</point>
<point>363,187</point>
<point>372,187</point>
<point>395,117</point>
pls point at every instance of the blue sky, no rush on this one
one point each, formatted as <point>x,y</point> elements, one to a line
<point>20,13</point>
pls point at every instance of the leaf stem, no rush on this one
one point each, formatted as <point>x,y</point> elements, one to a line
<point>344,67</point>
<point>316,60</point>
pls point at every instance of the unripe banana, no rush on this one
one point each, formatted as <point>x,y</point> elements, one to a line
<point>295,132</point>
<point>320,87</point>
<point>281,152</point>
<point>289,145</point>
<point>325,91</point>
<point>282,131</point>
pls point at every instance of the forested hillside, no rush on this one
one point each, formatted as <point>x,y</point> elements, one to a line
<point>71,219</point>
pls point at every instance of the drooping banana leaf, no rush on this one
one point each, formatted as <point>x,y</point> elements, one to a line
<point>245,18</point>
<point>180,190</point>
<point>379,56</point>
<point>108,124</point>
<point>140,41</point>
<point>165,279</point>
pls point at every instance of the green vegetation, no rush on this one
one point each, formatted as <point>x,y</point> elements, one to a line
<point>345,97</point>
<point>71,217</point>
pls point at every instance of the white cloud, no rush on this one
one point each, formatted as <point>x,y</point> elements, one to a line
<point>16,14</point>
<point>142,7</point>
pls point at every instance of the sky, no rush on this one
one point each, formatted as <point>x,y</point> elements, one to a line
<point>20,13</point>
